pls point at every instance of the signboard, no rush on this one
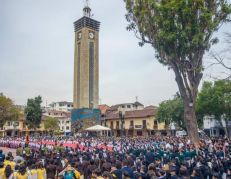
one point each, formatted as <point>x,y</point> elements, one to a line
<point>85,113</point>
<point>138,126</point>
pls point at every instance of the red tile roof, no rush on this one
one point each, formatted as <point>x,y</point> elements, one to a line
<point>151,107</point>
<point>102,106</point>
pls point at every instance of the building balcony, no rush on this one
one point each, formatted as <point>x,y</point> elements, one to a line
<point>131,127</point>
<point>12,128</point>
<point>155,127</point>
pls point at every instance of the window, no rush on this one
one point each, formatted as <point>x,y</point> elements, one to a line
<point>62,127</point>
<point>68,105</point>
<point>128,106</point>
<point>49,114</point>
<point>67,127</point>
<point>71,105</point>
<point>61,114</point>
<point>112,123</point>
<point>155,123</point>
<point>62,122</point>
<point>144,122</point>
<point>17,123</point>
<point>9,124</point>
<point>67,122</point>
<point>123,106</point>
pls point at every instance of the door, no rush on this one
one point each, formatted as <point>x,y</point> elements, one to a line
<point>117,124</point>
<point>139,133</point>
<point>131,127</point>
<point>144,123</point>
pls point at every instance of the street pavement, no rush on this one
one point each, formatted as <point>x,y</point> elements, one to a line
<point>7,150</point>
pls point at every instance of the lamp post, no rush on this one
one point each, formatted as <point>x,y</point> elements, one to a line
<point>121,115</point>
<point>15,125</point>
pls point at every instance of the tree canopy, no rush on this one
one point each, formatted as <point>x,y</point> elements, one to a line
<point>33,112</point>
<point>215,100</point>
<point>172,111</point>
<point>180,31</point>
<point>8,110</point>
<point>51,124</point>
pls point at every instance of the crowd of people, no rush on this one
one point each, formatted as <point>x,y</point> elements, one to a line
<point>156,157</point>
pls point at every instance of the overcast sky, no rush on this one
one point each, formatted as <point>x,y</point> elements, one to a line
<point>37,54</point>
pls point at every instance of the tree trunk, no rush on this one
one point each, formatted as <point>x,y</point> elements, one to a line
<point>189,111</point>
<point>191,124</point>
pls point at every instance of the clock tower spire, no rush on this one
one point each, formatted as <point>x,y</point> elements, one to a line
<point>86,61</point>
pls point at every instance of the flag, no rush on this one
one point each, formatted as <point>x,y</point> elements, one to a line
<point>27,138</point>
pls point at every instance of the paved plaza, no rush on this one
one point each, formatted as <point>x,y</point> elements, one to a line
<point>7,150</point>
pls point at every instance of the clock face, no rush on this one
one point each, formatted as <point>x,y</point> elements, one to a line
<point>91,35</point>
<point>79,35</point>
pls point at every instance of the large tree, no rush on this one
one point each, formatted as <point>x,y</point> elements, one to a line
<point>180,31</point>
<point>8,110</point>
<point>215,100</point>
<point>33,112</point>
<point>51,124</point>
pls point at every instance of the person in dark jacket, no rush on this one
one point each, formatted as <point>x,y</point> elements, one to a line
<point>126,168</point>
<point>143,173</point>
<point>85,165</point>
<point>202,167</point>
<point>138,164</point>
<point>79,166</point>
<point>150,157</point>
<point>51,169</point>
<point>91,168</point>
<point>106,167</point>
<point>129,159</point>
<point>134,170</point>
<point>161,174</point>
<point>115,171</point>
<point>172,171</point>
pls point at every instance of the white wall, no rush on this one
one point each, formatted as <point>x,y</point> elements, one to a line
<point>56,106</point>
<point>64,124</point>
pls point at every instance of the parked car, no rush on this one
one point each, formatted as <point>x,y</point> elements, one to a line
<point>184,133</point>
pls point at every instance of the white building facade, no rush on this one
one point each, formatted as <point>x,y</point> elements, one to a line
<point>64,120</point>
<point>61,106</point>
<point>213,128</point>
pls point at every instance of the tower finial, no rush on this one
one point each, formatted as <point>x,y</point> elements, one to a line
<point>86,3</point>
<point>86,9</point>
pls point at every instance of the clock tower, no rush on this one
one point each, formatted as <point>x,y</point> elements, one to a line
<point>86,61</point>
